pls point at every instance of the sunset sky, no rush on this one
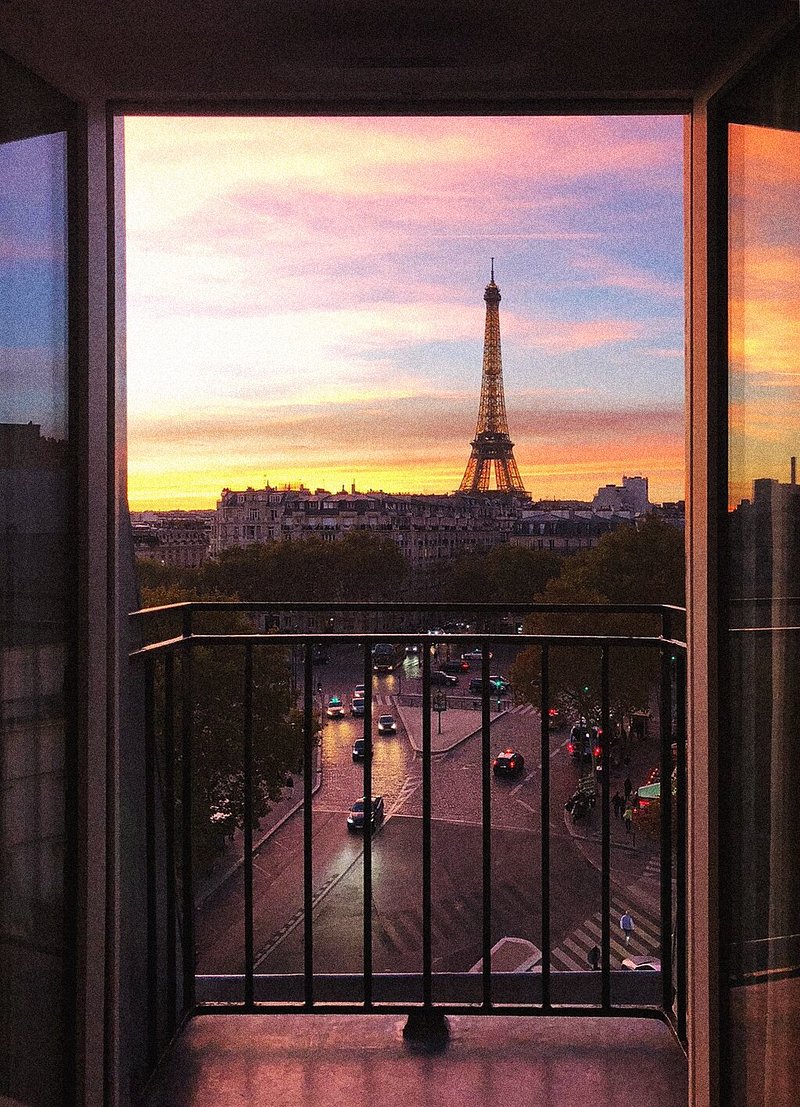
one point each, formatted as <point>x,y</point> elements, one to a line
<point>764,309</point>
<point>305,301</point>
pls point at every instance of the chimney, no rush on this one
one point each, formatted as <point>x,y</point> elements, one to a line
<point>794,470</point>
<point>353,485</point>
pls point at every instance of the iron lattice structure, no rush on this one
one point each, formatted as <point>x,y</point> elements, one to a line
<point>491,445</point>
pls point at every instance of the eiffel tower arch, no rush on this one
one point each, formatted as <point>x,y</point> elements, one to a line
<point>492,446</point>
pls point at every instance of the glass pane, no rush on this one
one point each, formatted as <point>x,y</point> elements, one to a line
<point>760,813</point>
<point>35,583</point>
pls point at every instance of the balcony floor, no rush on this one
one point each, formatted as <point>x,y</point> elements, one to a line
<point>330,1060</point>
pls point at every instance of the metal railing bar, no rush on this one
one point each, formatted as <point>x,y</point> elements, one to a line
<point>680,867</point>
<point>438,606</point>
<point>519,640</point>
<point>605,832</point>
<point>545,823</point>
<point>673,827</point>
<point>248,826</point>
<point>169,835</point>
<point>308,825</point>
<point>186,831</point>
<point>367,831</point>
<point>486,825</point>
<point>332,1007</point>
<point>150,860</point>
<point>427,898</point>
<point>666,828</point>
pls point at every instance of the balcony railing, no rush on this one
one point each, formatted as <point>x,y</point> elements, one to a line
<point>175,990</point>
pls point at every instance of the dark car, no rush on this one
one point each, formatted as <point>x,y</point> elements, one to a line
<point>357,707</point>
<point>455,666</point>
<point>359,749</point>
<point>579,745</point>
<point>508,763</point>
<point>355,819</point>
<point>442,680</point>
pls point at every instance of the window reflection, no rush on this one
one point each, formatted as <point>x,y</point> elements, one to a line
<point>760,823</point>
<point>34,641</point>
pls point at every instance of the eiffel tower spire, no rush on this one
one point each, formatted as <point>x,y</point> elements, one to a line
<point>491,444</point>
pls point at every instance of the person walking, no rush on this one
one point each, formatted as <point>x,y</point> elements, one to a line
<point>618,804</point>
<point>627,817</point>
<point>594,958</point>
<point>628,788</point>
<point>627,926</point>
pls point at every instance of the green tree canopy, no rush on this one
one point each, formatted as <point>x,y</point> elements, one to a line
<point>506,574</point>
<point>629,565</point>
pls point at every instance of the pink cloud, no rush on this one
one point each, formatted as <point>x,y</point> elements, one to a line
<point>560,336</point>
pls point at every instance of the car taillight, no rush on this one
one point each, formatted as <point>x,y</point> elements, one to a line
<point>597,751</point>
<point>553,712</point>
<point>495,763</point>
<point>570,747</point>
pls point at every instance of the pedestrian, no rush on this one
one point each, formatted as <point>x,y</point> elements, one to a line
<point>618,804</point>
<point>626,925</point>
<point>627,817</point>
<point>594,958</point>
<point>628,788</point>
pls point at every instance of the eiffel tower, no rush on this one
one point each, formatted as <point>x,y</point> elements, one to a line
<point>491,444</point>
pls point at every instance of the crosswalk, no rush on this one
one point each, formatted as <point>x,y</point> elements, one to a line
<point>642,901</point>
<point>401,929</point>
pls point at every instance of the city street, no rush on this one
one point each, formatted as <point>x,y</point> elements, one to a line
<point>337,856</point>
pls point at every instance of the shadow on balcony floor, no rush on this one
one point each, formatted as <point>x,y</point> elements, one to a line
<point>330,1060</point>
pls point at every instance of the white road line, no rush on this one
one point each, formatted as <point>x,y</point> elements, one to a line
<point>521,785</point>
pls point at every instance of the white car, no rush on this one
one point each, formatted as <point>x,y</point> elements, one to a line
<point>387,725</point>
<point>335,708</point>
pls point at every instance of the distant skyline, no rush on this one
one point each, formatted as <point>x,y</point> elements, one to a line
<point>305,301</point>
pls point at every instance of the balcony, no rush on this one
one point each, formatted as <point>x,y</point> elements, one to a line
<point>331,1000</point>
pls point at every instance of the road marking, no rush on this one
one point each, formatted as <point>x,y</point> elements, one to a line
<point>521,784</point>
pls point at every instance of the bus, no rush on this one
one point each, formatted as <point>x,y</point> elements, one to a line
<point>384,658</point>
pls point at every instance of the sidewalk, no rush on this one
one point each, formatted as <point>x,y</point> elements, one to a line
<point>627,850</point>
<point>457,725</point>
<point>232,857</point>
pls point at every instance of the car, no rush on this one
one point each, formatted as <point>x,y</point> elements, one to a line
<point>456,665</point>
<point>579,744</point>
<point>508,763</point>
<point>335,708</point>
<point>387,725</point>
<point>474,655</point>
<point>359,749</point>
<point>442,680</point>
<point>359,691</point>
<point>355,817</point>
<point>498,686</point>
<point>644,963</point>
<point>357,707</point>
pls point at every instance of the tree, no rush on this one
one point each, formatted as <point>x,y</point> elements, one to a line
<point>506,574</point>
<point>629,565</point>
<point>360,566</point>
<point>218,723</point>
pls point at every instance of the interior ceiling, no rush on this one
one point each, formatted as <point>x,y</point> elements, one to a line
<point>380,51</point>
